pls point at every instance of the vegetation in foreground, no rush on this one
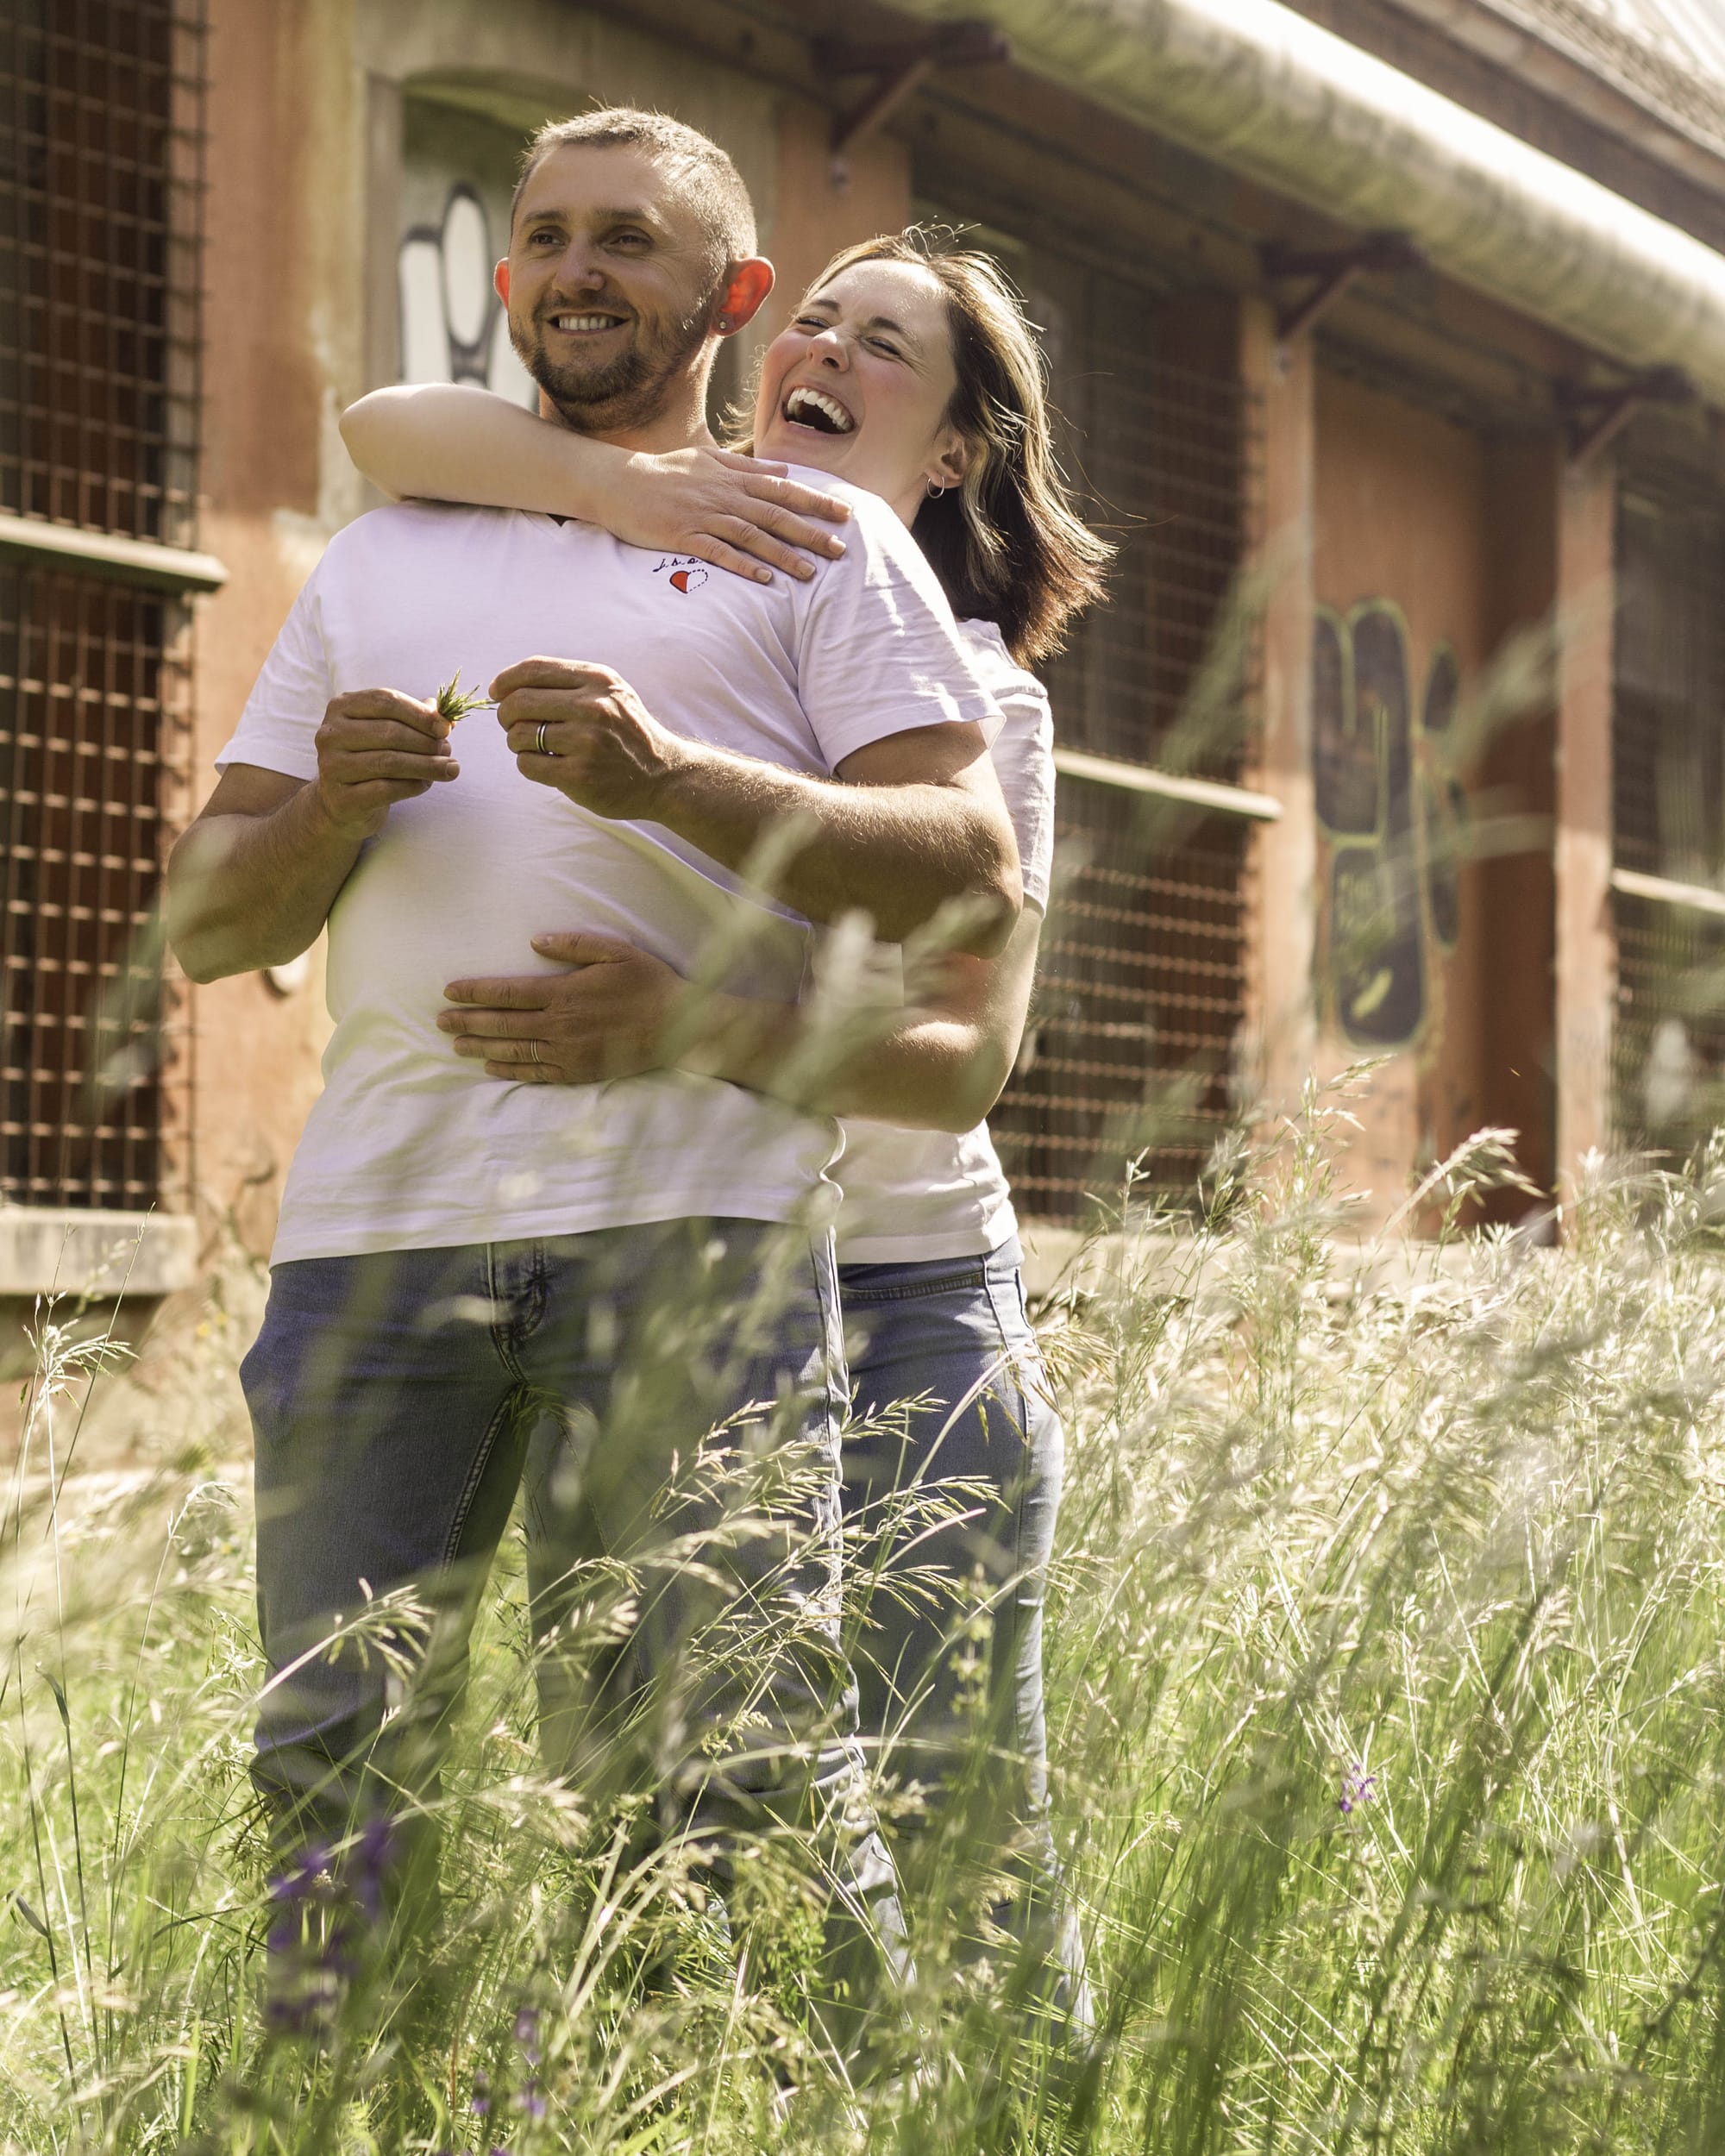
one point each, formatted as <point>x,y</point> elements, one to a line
<point>1387,1689</point>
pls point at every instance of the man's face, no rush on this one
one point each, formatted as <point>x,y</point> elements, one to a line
<point>611,285</point>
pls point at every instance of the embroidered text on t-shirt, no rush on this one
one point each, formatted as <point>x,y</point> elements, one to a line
<point>685,573</point>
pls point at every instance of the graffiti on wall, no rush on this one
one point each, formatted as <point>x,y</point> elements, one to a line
<point>1394,813</point>
<point>452,324</point>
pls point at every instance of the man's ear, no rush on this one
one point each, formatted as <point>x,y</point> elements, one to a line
<point>745,293</point>
<point>500,280</point>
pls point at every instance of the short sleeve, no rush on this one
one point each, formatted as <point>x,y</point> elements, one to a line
<point>1023,756</point>
<point>278,729</point>
<point>1022,753</point>
<point>879,652</point>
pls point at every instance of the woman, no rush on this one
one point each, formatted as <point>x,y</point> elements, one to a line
<point>910,373</point>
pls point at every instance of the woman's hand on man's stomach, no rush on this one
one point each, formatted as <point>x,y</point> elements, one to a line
<point>606,1018</point>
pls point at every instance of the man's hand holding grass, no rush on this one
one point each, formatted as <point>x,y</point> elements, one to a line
<point>581,729</point>
<point>375,748</point>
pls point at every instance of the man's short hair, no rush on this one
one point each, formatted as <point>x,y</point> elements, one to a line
<point>712,183</point>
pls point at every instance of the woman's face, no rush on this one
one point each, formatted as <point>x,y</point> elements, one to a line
<point>860,384</point>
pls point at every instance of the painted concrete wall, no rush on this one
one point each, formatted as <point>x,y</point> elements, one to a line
<point>276,117</point>
<point>1411,511</point>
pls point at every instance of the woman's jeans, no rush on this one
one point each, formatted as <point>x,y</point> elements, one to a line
<point>397,1399</point>
<point>951,1486</point>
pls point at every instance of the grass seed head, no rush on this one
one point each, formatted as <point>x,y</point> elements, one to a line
<point>453,702</point>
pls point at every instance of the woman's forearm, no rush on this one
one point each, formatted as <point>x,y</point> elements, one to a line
<point>940,1064</point>
<point>445,442</point>
<point>932,1073</point>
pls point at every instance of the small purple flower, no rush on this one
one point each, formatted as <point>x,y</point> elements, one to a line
<point>370,1862</point>
<point>527,2034</point>
<point>1358,1788</point>
<point>325,1924</point>
<point>479,2103</point>
<point>533,2104</point>
<point>306,1878</point>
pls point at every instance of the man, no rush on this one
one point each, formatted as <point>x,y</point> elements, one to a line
<point>458,1261</point>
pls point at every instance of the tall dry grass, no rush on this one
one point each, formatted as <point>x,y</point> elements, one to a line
<point>1386,1724</point>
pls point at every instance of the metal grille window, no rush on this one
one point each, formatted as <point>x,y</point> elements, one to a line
<point>96,710</point>
<point>100,178</point>
<point>1139,1000</point>
<point>98,237</point>
<point>1140,994</point>
<point>1668,768</point>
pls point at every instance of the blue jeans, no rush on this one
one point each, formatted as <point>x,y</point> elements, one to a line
<point>955,1334</point>
<point>395,1400</point>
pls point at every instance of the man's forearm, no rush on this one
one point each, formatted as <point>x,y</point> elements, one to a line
<point>245,892</point>
<point>898,853</point>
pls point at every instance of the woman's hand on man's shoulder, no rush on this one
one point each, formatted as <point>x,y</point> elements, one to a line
<point>735,512</point>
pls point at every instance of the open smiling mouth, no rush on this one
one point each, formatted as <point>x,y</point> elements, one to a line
<point>814,407</point>
<point>584,324</point>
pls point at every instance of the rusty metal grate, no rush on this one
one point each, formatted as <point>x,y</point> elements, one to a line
<point>100,185</point>
<point>100,148</point>
<point>1668,1047</point>
<point>1141,992</point>
<point>93,748</point>
<point>1139,998</point>
<point>1167,453</point>
<point>1668,766</point>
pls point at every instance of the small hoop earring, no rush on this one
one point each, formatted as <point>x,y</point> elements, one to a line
<point>934,491</point>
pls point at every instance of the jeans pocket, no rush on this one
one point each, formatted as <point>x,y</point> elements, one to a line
<point>917,1282</point>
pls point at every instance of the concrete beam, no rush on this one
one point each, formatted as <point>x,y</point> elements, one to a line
<point>55,1249</point>
<point>1281,1011</point>
<point>1586,947</point>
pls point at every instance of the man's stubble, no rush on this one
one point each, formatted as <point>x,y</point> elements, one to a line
<point>628,393</point>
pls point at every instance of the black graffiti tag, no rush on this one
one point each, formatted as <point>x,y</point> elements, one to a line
<point>1393,813</point>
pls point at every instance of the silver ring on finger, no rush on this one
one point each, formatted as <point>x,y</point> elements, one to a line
<point>540,745</point>
<point>533,1051</point>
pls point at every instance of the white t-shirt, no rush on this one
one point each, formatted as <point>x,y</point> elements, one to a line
<point>409,1146</point>
<point>911,1195</point>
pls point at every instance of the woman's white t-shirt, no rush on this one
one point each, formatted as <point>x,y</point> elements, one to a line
<point>911,1195</point>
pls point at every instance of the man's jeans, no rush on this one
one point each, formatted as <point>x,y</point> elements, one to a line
<point>953,1334</point>
<point>396,1399</point>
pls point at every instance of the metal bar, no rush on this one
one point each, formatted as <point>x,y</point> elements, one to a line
<point>851,131</point>
<point>1337,270</point>
<point>1136,778</point>
<point>1598,415</point>
<point>1696,898</point>
<point>105,553</point>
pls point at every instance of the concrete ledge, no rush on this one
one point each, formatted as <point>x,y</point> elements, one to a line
<point>107,554</point>
<point>45,1248</point>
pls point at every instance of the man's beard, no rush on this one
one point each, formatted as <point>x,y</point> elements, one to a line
<point>628,391</point>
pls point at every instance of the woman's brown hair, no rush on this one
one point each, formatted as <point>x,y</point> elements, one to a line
<point>1006,544</point>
